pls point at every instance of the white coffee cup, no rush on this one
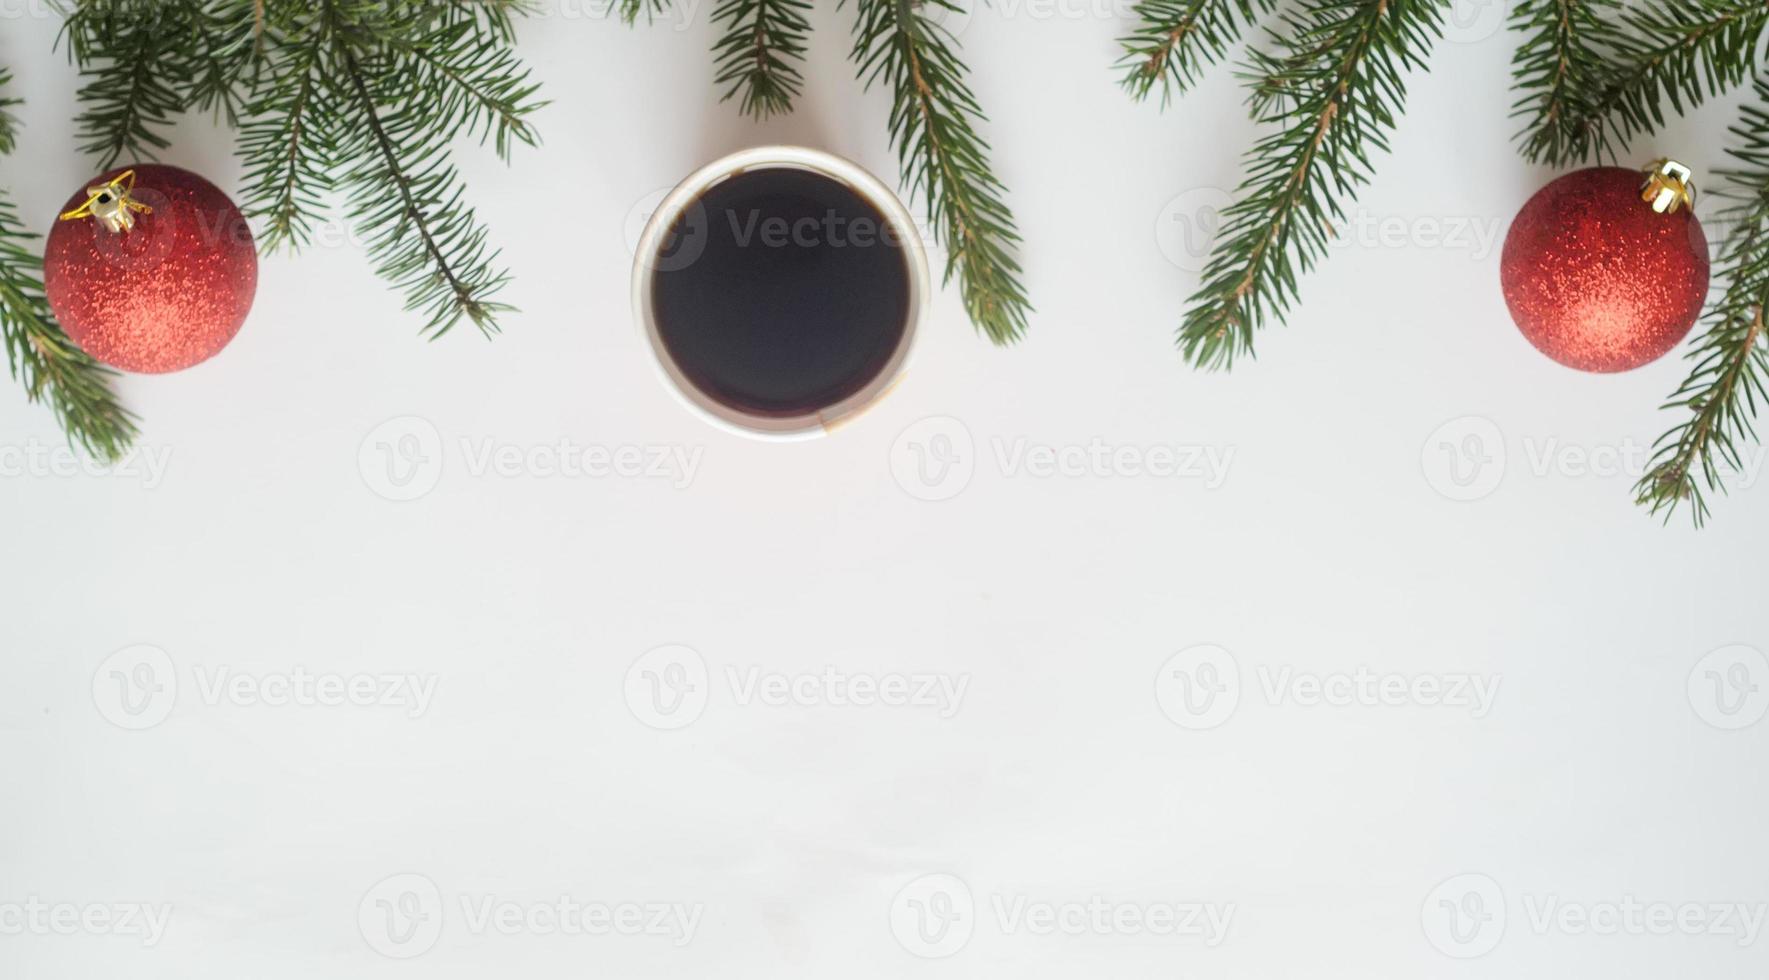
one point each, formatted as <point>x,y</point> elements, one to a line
<point>648,262</point>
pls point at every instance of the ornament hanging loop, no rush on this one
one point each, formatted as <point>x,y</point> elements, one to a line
<point>111,204</point>
<point>1667,186</point>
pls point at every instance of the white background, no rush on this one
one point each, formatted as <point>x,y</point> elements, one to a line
<point>801,834</point>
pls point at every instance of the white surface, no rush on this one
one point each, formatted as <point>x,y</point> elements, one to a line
<point>801,834</point>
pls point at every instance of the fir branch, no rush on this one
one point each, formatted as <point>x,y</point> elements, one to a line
<point>38,353</point>
<point>760,51</point>
<point>473,87</point>
<point>233,45</point>
<point>408,199</point>
<point>285,143</point>
<point>932,123</point>
<point>1333,90</point>
<point>137,58</point>
<point>1559,71</point>
<point>1175,40</point>
<point>1726,385</point>
<point>629,10</point>
<point>8,121</point>
<point>45,361</point>
<point>1679,52</point>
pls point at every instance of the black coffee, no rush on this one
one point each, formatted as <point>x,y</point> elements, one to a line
<point>781,292</point>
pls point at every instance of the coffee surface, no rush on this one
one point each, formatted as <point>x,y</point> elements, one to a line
<point>780,292</point>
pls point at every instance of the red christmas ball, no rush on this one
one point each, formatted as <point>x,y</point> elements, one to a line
<point>151,269</point>
<point>1596,278</point>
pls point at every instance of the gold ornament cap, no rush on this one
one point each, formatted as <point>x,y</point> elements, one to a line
<point>111,204</point>
<point>1668,186</point>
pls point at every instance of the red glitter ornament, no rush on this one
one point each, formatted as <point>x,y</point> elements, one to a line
<point>151,269</point>
<point>1600,279</point>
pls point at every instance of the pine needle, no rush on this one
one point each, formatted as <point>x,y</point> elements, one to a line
<point>1332,90</point>
<point>1730,362</point>
<point>759,54</point>
<point>40,355</point>
<point>933,125</point>
<point>1175,40</point>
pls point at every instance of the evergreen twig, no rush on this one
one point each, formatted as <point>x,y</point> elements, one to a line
<point>1174,40</point>
<point>1627,63</point>
<point>1726,384</point>
<point>285,141</point>
<point>409,200</point>
<point>629,10</point>
<point>1560,68</point>
<point>38,353</point>
<point>760,51</point>
<point>1332,89</point>
<point>138,59</point>
<point>933,125</point>
<point>364,94</point>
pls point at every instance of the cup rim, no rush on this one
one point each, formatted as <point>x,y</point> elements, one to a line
<point>807,425</point>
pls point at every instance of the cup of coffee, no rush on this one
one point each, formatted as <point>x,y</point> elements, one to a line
<point>780,288</point>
